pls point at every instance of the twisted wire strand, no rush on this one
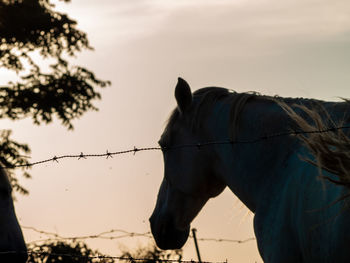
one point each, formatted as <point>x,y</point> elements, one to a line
<point>198,145</point>
<point>238,241</point>
<point>126,234</point>
<point>102,235</point>
<point>102,257</point>
<point>82,156</point>
<point>259,139</point>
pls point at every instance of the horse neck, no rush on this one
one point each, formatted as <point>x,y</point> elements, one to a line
<point>249,168</point>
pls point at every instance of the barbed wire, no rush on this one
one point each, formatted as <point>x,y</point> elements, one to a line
<point>82,156</point>
<point>134,150</point>
<point>103,257</point>
<point>238,241</point>
<point>126,234</point>
<point>102,235</point>
<point>259,139</point>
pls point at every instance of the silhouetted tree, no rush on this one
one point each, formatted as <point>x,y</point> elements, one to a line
<point>79,252</point>
<point>65,252</point>
<point>152,254</point>
<point>33,27</point>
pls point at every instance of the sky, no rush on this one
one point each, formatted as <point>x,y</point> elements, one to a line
<point>287,48</point>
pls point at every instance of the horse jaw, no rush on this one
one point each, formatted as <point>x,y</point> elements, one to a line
<point>166,235</point>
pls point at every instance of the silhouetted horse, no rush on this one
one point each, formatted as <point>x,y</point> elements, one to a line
<point>293,218</point>
<point>12,246</point>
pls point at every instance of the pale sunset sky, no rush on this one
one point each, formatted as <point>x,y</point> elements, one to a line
<point>290,48</point>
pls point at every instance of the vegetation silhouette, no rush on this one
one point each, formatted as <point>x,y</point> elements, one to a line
<point>28,29</point>
<point>152,254</point>
<point>79,252</point>
<point>65,252</point>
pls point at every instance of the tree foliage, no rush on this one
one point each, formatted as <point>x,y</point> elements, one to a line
<point>152,254</point>
<point>32,28</point>
<point>10,155</point>
<point>79,252</point>
<point>65,252</point>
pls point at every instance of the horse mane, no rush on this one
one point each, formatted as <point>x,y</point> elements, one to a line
<point>205,98</point>
<point>331,149</point>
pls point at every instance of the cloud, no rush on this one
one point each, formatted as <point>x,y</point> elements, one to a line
<point>245,24</point>
<point>239,27</point>
<point>280,43</point>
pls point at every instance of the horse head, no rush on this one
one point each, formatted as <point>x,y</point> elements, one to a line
<point>189,177</point>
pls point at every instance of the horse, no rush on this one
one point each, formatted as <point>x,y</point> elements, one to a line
<point>12,245</point>
<point>217,138</point>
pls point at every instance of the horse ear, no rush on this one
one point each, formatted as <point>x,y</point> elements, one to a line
<point>183,95</point>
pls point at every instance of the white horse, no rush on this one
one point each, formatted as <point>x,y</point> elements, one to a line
<point>12,245</point>
<point>293,218</point>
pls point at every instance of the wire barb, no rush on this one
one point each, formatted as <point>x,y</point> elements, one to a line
<point>135,150</point>
<point>81,156</point>
<point>109,155</point>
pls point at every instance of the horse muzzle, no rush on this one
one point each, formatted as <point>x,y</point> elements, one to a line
<point>166,235</point>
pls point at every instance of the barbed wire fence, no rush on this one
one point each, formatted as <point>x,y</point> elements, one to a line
<point>198,145</point>
<point>102,258</point>
<point>124,234</point>
<point>110,234</point>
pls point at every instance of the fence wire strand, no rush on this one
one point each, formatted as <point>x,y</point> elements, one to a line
<point>102,257</point>
<point>125,234</point>
<point>103,235</point>
<point>134,150</point>
<point>83,156</point>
